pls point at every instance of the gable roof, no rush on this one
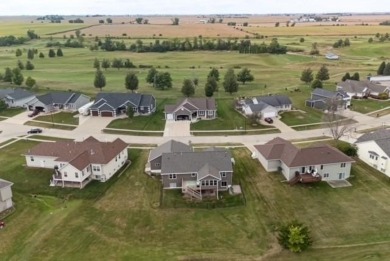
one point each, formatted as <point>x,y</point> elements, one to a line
<point>168,147</point>
<point>192,104</point>
<point>117,100</point>
<point>329,94</point>
<point>80,154</point>
<point>381,137</point>
<point>353,86</point>
<point>280,149</point>
<point>4,183</point>
<point>259,107</point>
<point>16,93</point>
<point>58,98</point>
<point>274,100</point>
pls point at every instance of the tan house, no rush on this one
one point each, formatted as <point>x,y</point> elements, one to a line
<point>5,195</point>
<point>192,109</point>
<point>75,164</point>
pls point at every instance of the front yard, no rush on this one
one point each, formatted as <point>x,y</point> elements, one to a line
<point>368,105</point>
<point>60,117</point>
<point>10,112</point>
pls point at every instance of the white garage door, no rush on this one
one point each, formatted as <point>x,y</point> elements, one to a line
<point>269,114</point>
<point>169,116</point>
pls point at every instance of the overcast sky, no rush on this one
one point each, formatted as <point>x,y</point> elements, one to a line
<point>119,7</point>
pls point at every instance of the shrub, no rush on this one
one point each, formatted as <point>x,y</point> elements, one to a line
<point>347,149</point>
<point>294,237</point>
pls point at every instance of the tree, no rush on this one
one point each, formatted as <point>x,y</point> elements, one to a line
<point>100,80</point>
<point>163,80</point>
<point>20,65</point>
<point>347,42</point>
<point>128,64</point>
<point>211,86</point>
<point>316,84</point>
<point>150,78</point>
<point>346,76</point>
<point>41,55</point>
<point>109,21</point>
<point>18,52</point>
<point>17,76</point>
<point>370,40</point>
<point>96,63</point>
<point>146,21</point>
<point>32,35</point>
<point>139,20</point>
<point>381,68</point>
<point>230,81</point>
<point>59,52</point>
<point>3,105</point>
<point>277,24</point>
<point>323,73</point>
<point>307,76</point>
<point>314,49</point>
<point>105,64</point>
<point>30,82</point>
<point>117,63</point>
<point>337,125</point>
<point>302,40</point>
<point>214,73</point>
<point>30,54</point>
<point>175,21</point>
<point>78,33</point>
<point>52,53</point>
<point>188,88</point>
<point>29,66</point>
<point>245,76</point>
<point>195,81</point>
<point>294,237</point>
<point>386,71</point>
<point>131,81</point>
<point>130,112</point>
<point>7,75</point>
<point>355,76</point>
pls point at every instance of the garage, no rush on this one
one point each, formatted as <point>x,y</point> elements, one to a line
<point>269,114</point>
<point>95,113</point>
<point>107,114</point>
<point>170,116</point>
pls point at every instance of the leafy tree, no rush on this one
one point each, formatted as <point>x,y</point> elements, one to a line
<point>78,33</point>
<point>117,63</point>
<point>32,35</point>
<point>18,52</point>
<point>41,55</point>
<point>130,112</point>
<point>245,76</point>
<point>52,53</point>
<point>230,83</point>
<point>294,237</point>
<point>150,78</point>
<point>109,21</point>
<point>347,42</point>
<point>386,71</point>
<point>316,84</point>
<point>105,64</point>
<point>146,21</point>
<point>355,76</point>
<point>195,81</point>
<point>381,68</point>
<point>163,80</point>
<point>370,40</point>
<point>7,75</point>
<point>3,105</point>
<point>307,75</point>
<point>17,76</point>
<point>214,73</point>
<point>302,40</point>
<point>175,21</point>
<point>100,80</point>
<point>314,49</point>
<point>277,24</point>
<point>211,86</point>
<point>29,66</point>
<point>59,52</point>
<point>323,73</point>
<point>20,65</point>
<point>128,64</point>
<point>347,149</point>
<point>347,76</point>
<point>30,54</point>
<point>188,88</point>
<point>131,81</point>
<point>139,20</point>
<point>30,82</point>
<point>96,63</point>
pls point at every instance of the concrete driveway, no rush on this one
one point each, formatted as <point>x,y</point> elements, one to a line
<point>89,125</point>
<point>20,118</point>
<point>279,124</point>
<point>177,129</point>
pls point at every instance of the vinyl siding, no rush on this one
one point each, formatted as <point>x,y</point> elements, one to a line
<point>383,165</point>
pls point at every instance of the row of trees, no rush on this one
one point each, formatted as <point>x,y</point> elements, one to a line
<point>322,75</point>
<point>32,52</point>
<point>16,77</point>
<point>29,65</point>
<point>384,69</point>
<point>341,43</point>
<point>347,76</point>
<point>116,63</point>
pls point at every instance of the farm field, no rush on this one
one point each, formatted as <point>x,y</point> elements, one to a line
<point>131,223</point>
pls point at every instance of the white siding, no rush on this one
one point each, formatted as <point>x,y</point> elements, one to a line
<point>109,169</point>
<point>381,164</point>
<point>20,102</point>
<point>71,171</point>
<point>41,162</point>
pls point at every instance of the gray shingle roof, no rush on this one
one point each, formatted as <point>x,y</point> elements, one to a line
<point>258,107</point>
<point>58,98</point>
<point>4,183</point>
<point>353,86</point>
<point>329,94</point>
<point>380,137</point>
<point>194,104</point>
<point>116,100</point>
<point>275,100</point>
<point>17,93</point>
<point>168,147</point>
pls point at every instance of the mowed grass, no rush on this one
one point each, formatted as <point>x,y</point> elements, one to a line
<point>60,117</point>
<point>368,105</point>
<point>310,116</point>
<point>10,112</point>
<point>124,215</point>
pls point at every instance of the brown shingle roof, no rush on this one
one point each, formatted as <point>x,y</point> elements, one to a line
<point>280,149</point>
<point>80,154</point>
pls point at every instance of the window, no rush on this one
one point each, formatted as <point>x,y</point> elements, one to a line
<point>210,112</point>
<point>116,158</point>
<point>65,174</point>
<point>96,168</point>
<point>215,182</point>
<point>223,184</point>
<point>88,169</point>
<point>343,165</point>
<point>383,170</point>
<point>76,175</point>
<point>172,176</point>
<point>223,174</point>
<point>157,164</point>
<point>201,113</point>
<point>193,175</point>
<point>322,167</point>
<point>32,158</point>
<point>326,175</point>
<point>374,157</point>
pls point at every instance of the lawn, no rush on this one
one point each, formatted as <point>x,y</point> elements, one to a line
<point>60,117</point>
<point>72,224</point>
<point>368,105</point>
<point>292,118</point>
<point>49,125</point>
<point>10,112</point>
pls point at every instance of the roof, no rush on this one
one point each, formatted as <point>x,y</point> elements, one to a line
<point>353,86</point>
<point>117,100</point>
<point>80,154</point>
<point>191,162</point>
<point>59,98</point>
<point>4,183</point>
<point>380,137</point>
<point>329,94</point>
<point>280,149</point>
<point>258,107</point>
<point>168,147</point>
<point>193,104</point>
<point>15,93</point>
<point>275,100</point>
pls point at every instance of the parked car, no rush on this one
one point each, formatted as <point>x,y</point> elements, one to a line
<point>32,131</point>
<point>269,120</point>
<point>34,113</point>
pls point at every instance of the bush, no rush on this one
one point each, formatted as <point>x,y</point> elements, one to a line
<point>347,149</point>
<point>294,237</point>
<point>383,96</point>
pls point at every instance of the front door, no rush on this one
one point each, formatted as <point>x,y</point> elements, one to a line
<point>303,170</point>
<point>341,175</point>
<point>172,185</point>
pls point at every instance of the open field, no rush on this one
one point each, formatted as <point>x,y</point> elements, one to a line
<point>131,224</point>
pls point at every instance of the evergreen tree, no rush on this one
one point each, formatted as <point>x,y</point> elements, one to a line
<point>150,78</point>
<point>214,73</point>
<point>100,80</point>
<point>230,83</point>
<point>30,82</point>
<point>323,73</point>
<point>381,68</point>
<point>386,71</point>
<point>208,90</point>
<point>316,84</point>
<point>307,75</point>
<point>29,66</point>
<point>212,83</point>
<point>347,76</point>
<point>59,52</point>
<point>188,88</point>
<point>52,53</point>
<point>131,81</point>
<point>41,55</point>
<point>20,65</point>
<point>105,64</point>
<point>30,54</point>
<point>96,63</point>
<point>7,75</point>
<point>355,76</point>
<point>245,76</point>
<point>347,42</point>
<point>128,64</point>
<point>17,76</point>
<point>18,52</point>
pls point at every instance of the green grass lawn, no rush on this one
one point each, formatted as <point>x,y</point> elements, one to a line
<point>368,105</point>
<point>292,118</point>
<point>49,125</point>
<point>131,225</point>
<point>10,112</point>
<point>60,117</point>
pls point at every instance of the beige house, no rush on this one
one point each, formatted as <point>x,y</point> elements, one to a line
<point>192,109</point>
<point>5,195</point>
<point>75,164</point>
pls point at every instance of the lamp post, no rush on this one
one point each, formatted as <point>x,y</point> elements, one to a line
<point>51,114</point>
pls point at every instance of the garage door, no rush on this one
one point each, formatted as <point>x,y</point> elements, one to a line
<point>269,114</point>
<point>170,116</point>
<point>106,114</point>
<point>95,113</point>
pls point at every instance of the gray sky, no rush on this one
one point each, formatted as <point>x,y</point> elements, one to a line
<point>118,7</point>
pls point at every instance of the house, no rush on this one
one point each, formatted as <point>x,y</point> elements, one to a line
<point>192,109</point>
<point>16,97</point>
<point>5,195</point>
<point>361,89</point>
<point>75,164</point>
<point>332,56</point>
<point>67,101</point>
<point>197,173</point>
<point>323,99</point>
<point>374,149</point>
<point>322,161</point>
<point>380,79</point>
<point>155,155</point>
<point>116,104</point>
<point>266,106</point>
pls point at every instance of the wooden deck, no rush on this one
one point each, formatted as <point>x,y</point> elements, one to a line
<point>305,178</point>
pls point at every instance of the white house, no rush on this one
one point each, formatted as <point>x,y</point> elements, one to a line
<point>5,195</point>
<point>360,89</point>
<point>374,149</point>
<point>16,97</point>
<point>266,106</point>
<point>75,164</point>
